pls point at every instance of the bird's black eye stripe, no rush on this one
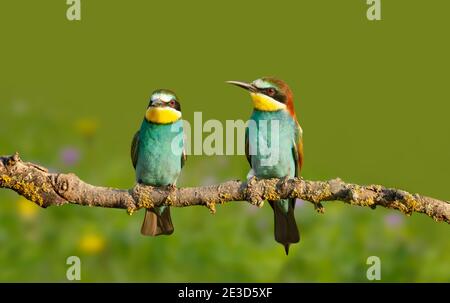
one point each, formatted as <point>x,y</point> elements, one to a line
<point>176,105</point>
<point>274,93</point>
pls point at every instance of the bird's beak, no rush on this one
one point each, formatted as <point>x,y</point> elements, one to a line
<point>250,87</point>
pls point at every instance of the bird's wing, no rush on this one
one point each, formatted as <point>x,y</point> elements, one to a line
<point>297,149</point>
<point>134,149</point>
<point>247,147</point>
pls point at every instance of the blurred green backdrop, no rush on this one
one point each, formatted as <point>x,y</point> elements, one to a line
<point>372,97</point>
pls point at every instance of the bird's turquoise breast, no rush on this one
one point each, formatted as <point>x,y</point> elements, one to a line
<point>159,153</point>
<point>271,146</point>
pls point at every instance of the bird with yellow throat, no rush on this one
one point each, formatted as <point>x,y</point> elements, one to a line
<point>158,155</point>
<point>273,102</point>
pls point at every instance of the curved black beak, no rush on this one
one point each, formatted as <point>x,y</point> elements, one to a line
<point>247,86</point>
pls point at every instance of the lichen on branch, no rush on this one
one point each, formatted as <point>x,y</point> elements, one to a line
<point>45,189</point>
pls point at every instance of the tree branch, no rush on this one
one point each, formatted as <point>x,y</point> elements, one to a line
<point>37,184</point>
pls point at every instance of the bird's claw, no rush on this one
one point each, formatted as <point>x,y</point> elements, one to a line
<point>171,187</point>
<point>170,197</point>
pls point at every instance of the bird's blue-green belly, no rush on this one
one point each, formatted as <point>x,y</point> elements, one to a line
<point>277,160</point>
<point>159,158</point>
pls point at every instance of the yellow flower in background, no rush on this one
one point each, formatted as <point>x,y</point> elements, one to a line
<point>91,243</point>
<point>27,209</point>
<point>87,127</point>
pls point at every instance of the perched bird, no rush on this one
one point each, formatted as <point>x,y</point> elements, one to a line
<point>158,155</point>
<point>273,102</point>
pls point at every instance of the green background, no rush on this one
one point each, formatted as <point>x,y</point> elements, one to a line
<point>372,97</point>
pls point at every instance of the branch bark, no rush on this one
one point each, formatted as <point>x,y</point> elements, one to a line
<point>44,188</point>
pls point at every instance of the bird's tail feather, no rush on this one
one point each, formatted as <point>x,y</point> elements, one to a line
<point>156,224</point>
<point>286,231</point>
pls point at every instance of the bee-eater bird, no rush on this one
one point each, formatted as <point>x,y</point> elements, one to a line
<point>273,101</point>
<point>157,153</point>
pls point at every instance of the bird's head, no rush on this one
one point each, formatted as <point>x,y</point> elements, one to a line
<point>269,94</point>
<point>163,108</point>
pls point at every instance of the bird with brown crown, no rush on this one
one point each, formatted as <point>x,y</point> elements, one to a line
<point>274,146</point>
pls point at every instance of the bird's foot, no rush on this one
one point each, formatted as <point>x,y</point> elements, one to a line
<point>285,179</point>
<point>171,187</point>
<point>283,183</point>
<point>170,197</point>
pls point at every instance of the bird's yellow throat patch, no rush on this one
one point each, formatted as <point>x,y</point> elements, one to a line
<point>265,103</point>
<point>162,115</point>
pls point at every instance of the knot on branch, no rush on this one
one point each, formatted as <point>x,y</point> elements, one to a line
<point>9,163</point>
<point>14,159</point>
<point>60,183</point>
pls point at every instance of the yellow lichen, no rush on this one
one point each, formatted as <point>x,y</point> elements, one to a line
<point>130,210</point>
<point>145,202</point>
<point>224,197</point>
<point>370,201</point>
<point>408,204</point>
<point>357,197</point>
<point>271,194</point>
<point>168,200</point>
<point>27,189</point>
<point>375,188</point>
<point>320,195</point>
<point>212,207</point>
<point>5,180</point>
<point>46,188</point>
<point>412,203</point>
<point>293,194</point>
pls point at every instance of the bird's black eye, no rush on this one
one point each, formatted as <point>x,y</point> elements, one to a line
<point>172,103</point>
<point>270,91</point>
